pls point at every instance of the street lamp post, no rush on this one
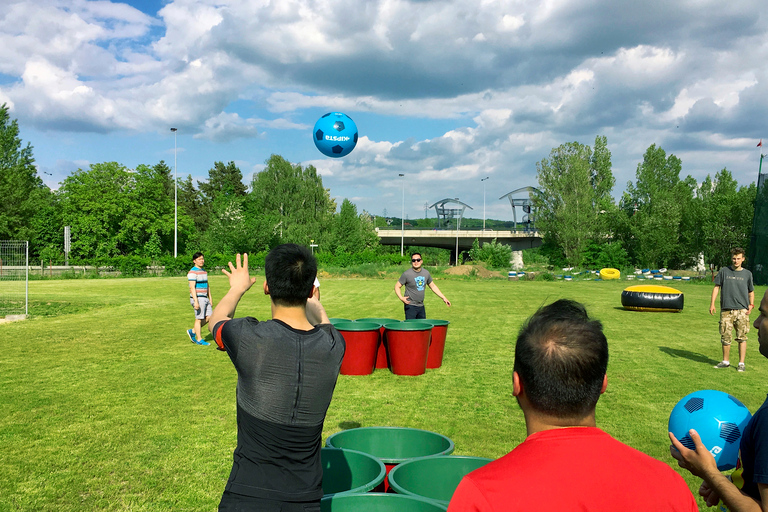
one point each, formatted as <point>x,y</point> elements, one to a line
<point>402,219</point>
<point>483,180</point>
<point>175,199</point>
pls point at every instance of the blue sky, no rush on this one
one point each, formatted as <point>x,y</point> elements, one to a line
<point>446,92</point>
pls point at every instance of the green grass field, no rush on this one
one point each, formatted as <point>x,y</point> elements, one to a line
<point>106,405</point>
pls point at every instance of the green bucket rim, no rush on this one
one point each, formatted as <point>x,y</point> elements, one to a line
<point>392,476</point>
<point>381,320</point>
<point>357,326</point>
<point>334,321</point>
<point>367,486</point>
<point>408,326</point>
<point>369,496</point>
<point>395,460</point>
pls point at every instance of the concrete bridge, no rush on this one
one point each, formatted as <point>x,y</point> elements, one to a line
<point>450,239</point>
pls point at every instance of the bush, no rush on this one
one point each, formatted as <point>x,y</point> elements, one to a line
<point>495,254</point>
<point>131,265</point>
<point>346,259</point>
<point>605,255</point>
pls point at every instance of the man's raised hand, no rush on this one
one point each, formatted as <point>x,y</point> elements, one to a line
<point>239,279</point>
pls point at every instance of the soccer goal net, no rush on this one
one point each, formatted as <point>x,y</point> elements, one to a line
<point>14,278</point>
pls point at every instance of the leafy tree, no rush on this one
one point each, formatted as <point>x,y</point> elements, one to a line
<point>575,184</point>
<point>656,200</point>
<point>295,205</point>
<point>191,202</point>
<point>94,204</point>
<point>223,181</point>
<point>47,226</point>
<point>352,232</point>
<point>235,226</point>
<point>148,226</point>
<point>22,190</point>
<point>114,211</point>
<point>728,213</point>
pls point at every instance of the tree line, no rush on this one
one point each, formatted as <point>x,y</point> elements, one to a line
<point>661,220</point>
<point>116,211</point>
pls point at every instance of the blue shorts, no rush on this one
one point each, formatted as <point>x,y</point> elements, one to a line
<point>205,310</point>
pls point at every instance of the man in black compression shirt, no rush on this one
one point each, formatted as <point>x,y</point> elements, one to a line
<point>286,372</point>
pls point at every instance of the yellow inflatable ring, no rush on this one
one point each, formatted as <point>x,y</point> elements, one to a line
<point>610,273</point>
<point>651,297</point>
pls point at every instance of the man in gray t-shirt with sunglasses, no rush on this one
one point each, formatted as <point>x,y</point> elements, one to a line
<point>416,279</point>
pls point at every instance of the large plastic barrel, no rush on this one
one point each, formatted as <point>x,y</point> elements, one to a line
<point>437,343</point>
<point>350,471</point>
<point>382,356</point>
<point>408,345</point>
<point>378,502</point>
<point>392,445</point>
<point>362,340</point>
<point>434,478</point>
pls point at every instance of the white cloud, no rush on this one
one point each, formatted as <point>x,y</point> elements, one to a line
<point>514,77</point>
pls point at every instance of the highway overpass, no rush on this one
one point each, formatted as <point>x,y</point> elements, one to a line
<point>448,239</point>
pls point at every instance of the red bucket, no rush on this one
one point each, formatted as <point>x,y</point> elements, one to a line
<point>437,345</point>
<point>381,356</point>
<point>408,344</point>
<point>362,340</point>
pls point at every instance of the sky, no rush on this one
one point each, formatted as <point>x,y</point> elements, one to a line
<point>445,92</point>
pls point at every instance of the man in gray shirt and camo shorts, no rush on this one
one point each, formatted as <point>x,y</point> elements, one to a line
<point>736,303</point>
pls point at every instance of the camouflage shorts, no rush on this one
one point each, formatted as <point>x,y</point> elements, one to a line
<point>737,319</point>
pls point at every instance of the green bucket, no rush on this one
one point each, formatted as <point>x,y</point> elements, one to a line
<point>433,478</point>
<point>335,321</point>
<point>378,502</point>
<point>392,445</point>
<point>350,471</point>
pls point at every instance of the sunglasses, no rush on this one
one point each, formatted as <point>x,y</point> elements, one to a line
<point>414,260</point>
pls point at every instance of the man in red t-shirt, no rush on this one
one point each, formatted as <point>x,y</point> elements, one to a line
<point>566,462</point>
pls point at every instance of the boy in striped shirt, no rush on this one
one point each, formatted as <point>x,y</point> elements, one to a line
<point>199,297</point>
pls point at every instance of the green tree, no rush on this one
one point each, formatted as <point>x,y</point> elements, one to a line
<point>94,204</point>
<point>148,226</point>
<point>23,192</point>
<point>294,204</point>
<point>115,211</point>
<point>575,184</point>
<point>352,232</point>
<point>728,213</point>
<point>656,200</point>
<point>223,181</point>
<point>47,226</point>
<point>191,202</point>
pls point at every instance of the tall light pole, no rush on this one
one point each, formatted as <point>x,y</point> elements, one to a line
<point>175,199</point>
<point>402,219</point>
<point>483,180</point>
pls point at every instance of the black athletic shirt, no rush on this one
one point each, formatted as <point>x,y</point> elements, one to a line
<point>285,381</point>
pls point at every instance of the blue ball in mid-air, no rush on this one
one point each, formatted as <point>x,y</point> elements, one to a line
<point>335,134</point>
<point>719,419</point>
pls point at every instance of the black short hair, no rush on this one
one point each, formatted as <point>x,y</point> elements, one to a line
<point>290,270</point>
<point>416,253</point>
<point>561,357</point>
<point>196,255</point>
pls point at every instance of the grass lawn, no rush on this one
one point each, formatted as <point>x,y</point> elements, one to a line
<point>106,405</point>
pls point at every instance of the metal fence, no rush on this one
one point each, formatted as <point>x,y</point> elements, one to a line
<point>757,259</point>
<point>14,277</point>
